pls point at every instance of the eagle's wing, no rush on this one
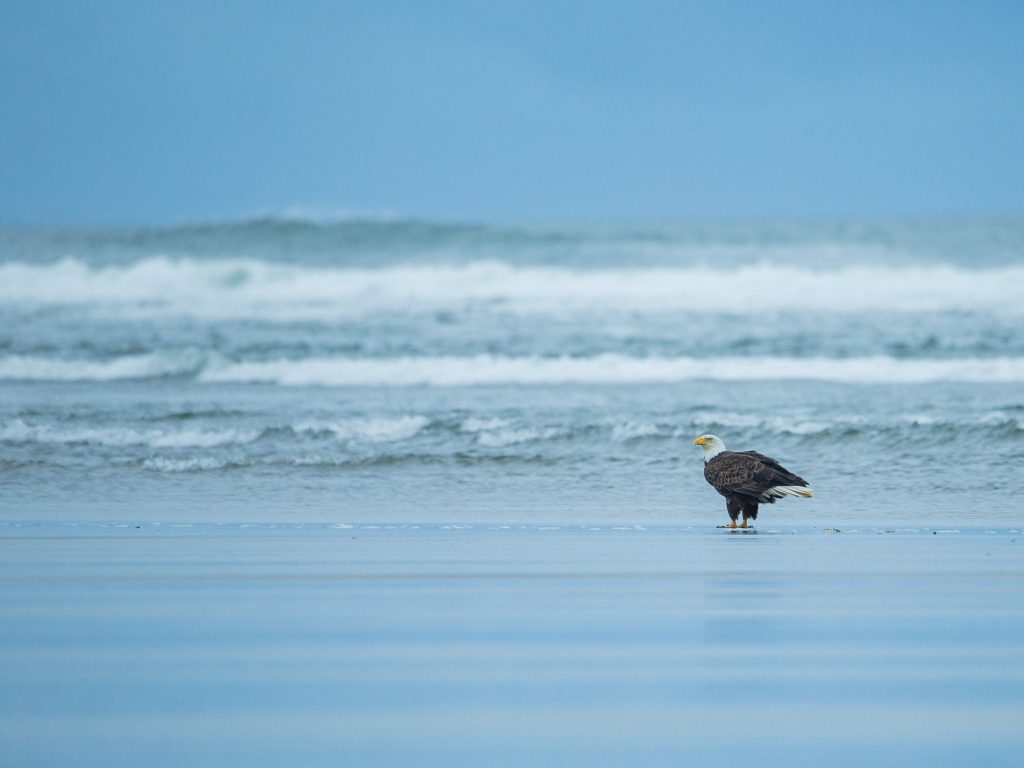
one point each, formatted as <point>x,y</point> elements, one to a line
<point>749,473</point>
<point>781,475</point>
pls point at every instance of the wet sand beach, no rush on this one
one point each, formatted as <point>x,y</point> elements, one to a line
<point>321,644</point>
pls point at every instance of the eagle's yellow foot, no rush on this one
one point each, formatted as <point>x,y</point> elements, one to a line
<point>732,524</point>
<point>744,523</point>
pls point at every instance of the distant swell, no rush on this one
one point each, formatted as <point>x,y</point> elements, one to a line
<point>18,431</point>
<point>362,431</point>
<point>238,288</point>
<point>148,366</point>
<point>455,439</point>
<point>612,369</point>
<point>452,371</point>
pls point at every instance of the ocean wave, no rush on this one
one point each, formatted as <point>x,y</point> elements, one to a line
<point>443,440</point>
<point>362,431</point>
<point>611,369</point>
<point>146,366</point>
<point>316,233</point>
<point>17,431</point>
<point>632,430</point>
<point>315,461</point>
<point>499,433</point>
<point>376,430</point>
<point>453,371</point>
<point>991,423</point>
<point>502,438</point>
<point>778,424</point>
<point>271,291</point>
<point>484,425</point>
<point>201,464</point>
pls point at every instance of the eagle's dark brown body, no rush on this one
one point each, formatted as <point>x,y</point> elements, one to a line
<point>748,478</point>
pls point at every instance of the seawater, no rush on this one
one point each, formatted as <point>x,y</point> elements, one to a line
<point>394,370</point>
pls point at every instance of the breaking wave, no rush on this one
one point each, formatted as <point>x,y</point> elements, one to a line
<point>147,366</point>
<point>274,291</point>
<point>369,430</point>
<point>163,464</point>
<point>458,441</point>
<point>612,369</point>
<point>18,431</point>
<point>379,430</point>
<point>454,371</point>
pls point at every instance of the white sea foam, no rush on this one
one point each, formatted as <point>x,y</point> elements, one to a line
<point>379,430</point>
<point>805,427</point>
<point>194,438</point>
<point>788,424</point>
<point>488,369</point>
<point>498,433</point>
<point>270,291</point>
<point>611,369</point>
<point>795,425</point>
<point>484,425</point>
<point>152,365</point>
<point>162,464</point>
<point>500,438</point>
<point>1002,418</point>
<point>727,419</point>
<point>17,431</point>
<point>632,430</point>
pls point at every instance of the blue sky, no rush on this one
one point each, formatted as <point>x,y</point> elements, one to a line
<point>161,112</point>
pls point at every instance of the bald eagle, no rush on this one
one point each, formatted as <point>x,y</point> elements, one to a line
<point>747,478</point>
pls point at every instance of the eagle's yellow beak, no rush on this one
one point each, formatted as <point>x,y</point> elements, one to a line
<point>700,441</point>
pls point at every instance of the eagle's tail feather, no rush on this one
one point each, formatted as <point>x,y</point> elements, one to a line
<point>778,491</point>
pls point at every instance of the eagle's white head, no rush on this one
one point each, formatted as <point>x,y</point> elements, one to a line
<point>712,446</point>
